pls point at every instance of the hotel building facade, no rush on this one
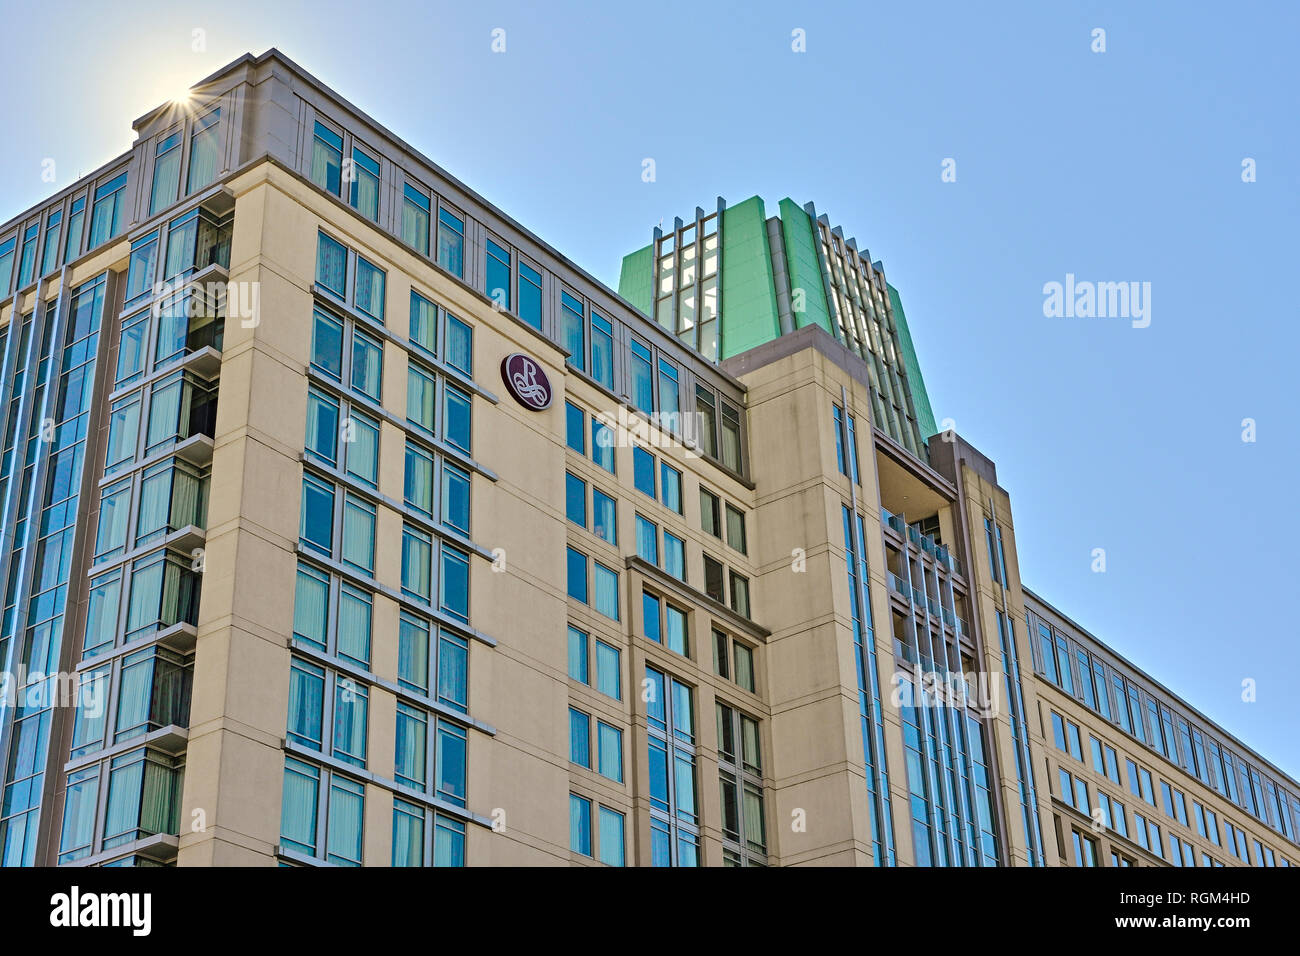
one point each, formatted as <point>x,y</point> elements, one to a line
<point>346,522</point>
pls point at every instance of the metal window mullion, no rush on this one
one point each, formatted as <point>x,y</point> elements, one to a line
<point>41,469</point>
<point>923,732</point>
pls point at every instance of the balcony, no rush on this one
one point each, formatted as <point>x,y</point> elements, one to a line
<point>173,498</point>
<point>154,695</point>
<point>164,592</point>
<point>191,330</point>
<point>181,407</point>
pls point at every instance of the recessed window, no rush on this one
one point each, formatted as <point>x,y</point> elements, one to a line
<point>327,159</point>
<point>602,350</point>
<point>106,215</point>
<point>647,540</point>
<point>575,428</point>
<point>643,471</point>
<point>736,529</point>
<point>332,265</point>
<point>205,151</point>
<point>604,516</point>
<point>709,513</point>
<point>497,278</point>
<point>370,289</point>
<point>451,242</point>
<point>415,219</point>
<point>574,330</point>
<point>363,192</point>
<point>166,173</point>
<point>530,295</point>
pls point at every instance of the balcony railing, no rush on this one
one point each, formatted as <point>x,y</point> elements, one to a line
<point>898,584</point>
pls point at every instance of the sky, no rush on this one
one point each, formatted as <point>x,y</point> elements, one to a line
<point>1122,165</point>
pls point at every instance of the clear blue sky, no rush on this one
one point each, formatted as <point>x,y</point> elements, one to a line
<point>1118,166</point>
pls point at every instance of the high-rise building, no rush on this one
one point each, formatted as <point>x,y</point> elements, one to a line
<point>348,522</point>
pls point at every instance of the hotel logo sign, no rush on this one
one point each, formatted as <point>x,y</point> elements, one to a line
<point>526,381</point>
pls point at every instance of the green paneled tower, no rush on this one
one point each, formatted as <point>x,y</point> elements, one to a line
<point>730,279</point>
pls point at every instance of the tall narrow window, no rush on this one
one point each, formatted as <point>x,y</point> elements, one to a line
<point>7,263</point>
<point>370,289</point>
<point>27,260</point>
<point>706,421</point>
<point>364,189</point>
<point>327,159</point>
<point>205,151</point>
<point>451,243</point>
<point>497,278</point>
<point>415,219</point>
<point>602,350</point>
<point>575,332</point>
<point>642,379</point>
<point>530,295</point>
<point>668,395</point>
<point>53,232</point>
<point>76,219</point>
<point>106,216</point>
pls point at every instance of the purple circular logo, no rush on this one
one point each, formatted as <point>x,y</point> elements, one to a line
<point>526,381</point>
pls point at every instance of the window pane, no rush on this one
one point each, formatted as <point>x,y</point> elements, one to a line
<point>575,428</point>
<point>579,825</point>
<point>460,345</point>
<point>577,574</point>
<point>608,670</point>
<point>497,284</point>
<point>670,487</point>
<point>577,655</point>
<point>604,517</point>
<point>322,426</point>
<point>417,487</point>
<point>574,330</point>
<point>331,264</point>
<point>364,191</point>
<point>575,500</point>
<point>359,533</point>
<point>602,350</point>
<point>424,323</point>
<point>415,219</point>
<point>362,438</point>
<point>458,418</point>
<point>367,364</point>
<point>354,625</point>
<point>311,606</point>
<point>454,583</point>
<point>530,295</point>
<point>421,397</point>
<point>643,471</point>
<point>606,582</point>
<point>370,289</point>
<point>205,147</point>
<point>451,243</point>
<point>317,514</point>
<point>609,751</point>
<point>579,738</point>
<point>327,344</point>
<point>647,540</point>
<point>611,837</point>
<point>455,497</point>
